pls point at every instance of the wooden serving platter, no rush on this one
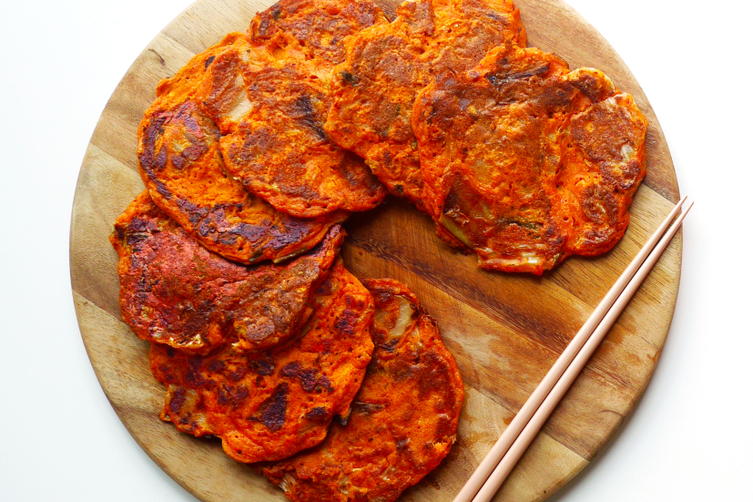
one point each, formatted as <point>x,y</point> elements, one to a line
<point>504,330</point>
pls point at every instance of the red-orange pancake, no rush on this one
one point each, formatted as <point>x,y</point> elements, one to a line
<point>272,404</point>
<point>278,148</point>
<point>388,64</point>
<point>527,162</point>
<point>181,165</point>
<point>404,418</point>
<point>175,292</point>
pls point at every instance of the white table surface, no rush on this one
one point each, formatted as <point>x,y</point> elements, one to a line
<point>690,437</point>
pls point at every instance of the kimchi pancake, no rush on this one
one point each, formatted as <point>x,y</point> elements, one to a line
<point>279,149</point>
<point>175,292</point>
<point>274,403</point>
<point>389,63</point>
<point>404,417</point>
<point>181,165</point>
<point>527,162</point>
<point>319,26</point>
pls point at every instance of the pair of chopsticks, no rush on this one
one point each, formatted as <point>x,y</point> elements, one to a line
<point>506,452</point>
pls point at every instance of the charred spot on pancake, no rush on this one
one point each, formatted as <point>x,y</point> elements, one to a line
<point>232,396</point>
<point>273,411</point>
<point>309,378</point>
<point>303,112</point>
<point>177,399</point>
<point>232,370</point>
<point>599,205</point>
<point>215,366</point>
<point>317,413</point>
<point>504,73</point>
<point>349,78</point>
<point>193,375</point>
<point>344,323</point>
<point>263,367</point>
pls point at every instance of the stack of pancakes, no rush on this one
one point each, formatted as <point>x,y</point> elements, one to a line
<point>259,148</point>
<point>337,389</point>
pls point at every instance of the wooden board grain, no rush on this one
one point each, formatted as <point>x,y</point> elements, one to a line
<point>504,330</point>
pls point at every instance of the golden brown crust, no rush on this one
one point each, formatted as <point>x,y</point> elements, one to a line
<point>527,162</point>
<point>273,404</point>
<point>388,64</point>
<point>404,418</point>
<point>181,165</point>
<point>175,292</point>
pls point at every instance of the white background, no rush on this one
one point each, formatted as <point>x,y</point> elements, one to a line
<point>690,436</point>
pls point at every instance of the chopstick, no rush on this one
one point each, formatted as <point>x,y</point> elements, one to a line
<point>506,452</point>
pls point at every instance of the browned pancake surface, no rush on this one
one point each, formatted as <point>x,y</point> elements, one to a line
<point>389,63</point>
<point>175,292</point>
<point>527,162</point>
<point>404,416</point>
<point>319,26</point>
<point>279,149</point>
<point>181,165</point>
<point>272,404</point>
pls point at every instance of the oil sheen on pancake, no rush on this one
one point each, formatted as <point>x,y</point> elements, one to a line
<point>181,165</point>
<point>404,418</point>
<point>389,63</point>
<point>526,162</point>
<point>278,149</point>
<point>175,292</point>
<point>272,404</point>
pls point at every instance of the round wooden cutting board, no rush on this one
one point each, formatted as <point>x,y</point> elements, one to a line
<point>505,330</point>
